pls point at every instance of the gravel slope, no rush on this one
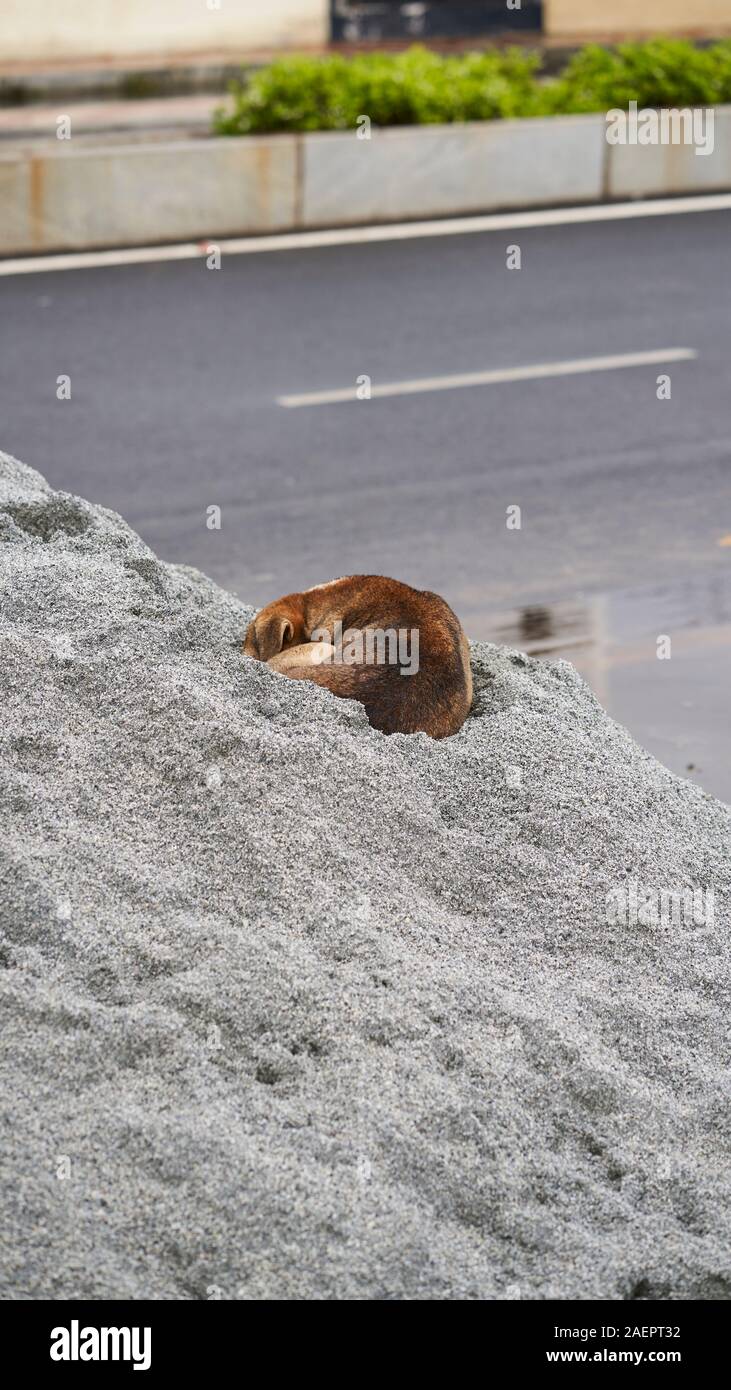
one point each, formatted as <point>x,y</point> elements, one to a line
<point>293,1010</point>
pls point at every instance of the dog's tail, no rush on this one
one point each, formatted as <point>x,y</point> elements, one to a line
<point>395,703</point>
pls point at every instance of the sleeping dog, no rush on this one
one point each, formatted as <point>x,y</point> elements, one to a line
<point>400,651</point>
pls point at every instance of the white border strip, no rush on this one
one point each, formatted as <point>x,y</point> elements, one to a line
<point>532,373</point>
<point>349,236</point>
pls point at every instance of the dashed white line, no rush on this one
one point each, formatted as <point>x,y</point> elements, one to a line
<point>534,372</point>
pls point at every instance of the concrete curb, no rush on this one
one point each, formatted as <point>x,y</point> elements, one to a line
<point>441,170</point>
<point>651,171</point>
<point>72,196</point>
<point>125,195</point>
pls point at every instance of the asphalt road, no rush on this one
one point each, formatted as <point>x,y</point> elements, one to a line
<point>625,499</point>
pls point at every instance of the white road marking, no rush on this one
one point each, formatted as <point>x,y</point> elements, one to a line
<point>534,372</point>
<point>349,236</point>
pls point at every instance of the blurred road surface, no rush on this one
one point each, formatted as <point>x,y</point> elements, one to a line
<point>625,499</point>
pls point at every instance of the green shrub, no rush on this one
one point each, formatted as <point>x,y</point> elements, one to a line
<point>419,87</point>
<point>412,88</point>
<point>661,72</point>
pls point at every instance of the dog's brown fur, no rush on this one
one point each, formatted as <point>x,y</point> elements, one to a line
<point>435,700</point>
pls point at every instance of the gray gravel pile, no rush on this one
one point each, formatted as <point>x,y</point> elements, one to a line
<point>294,1010</point>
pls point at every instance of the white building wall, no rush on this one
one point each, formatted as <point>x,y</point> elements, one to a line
<point>67,30</point>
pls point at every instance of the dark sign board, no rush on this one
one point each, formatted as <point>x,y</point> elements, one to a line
<point>356,21</point>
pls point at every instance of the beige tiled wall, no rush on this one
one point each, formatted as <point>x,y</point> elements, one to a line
<point>588,18</point>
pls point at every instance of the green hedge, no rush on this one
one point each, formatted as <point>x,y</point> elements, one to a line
<point>662,72</point>
<point>418,87</point>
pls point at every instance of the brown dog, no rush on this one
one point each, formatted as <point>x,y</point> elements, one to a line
<point>400,651</point>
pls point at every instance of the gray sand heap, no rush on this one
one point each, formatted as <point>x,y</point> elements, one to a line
<point>294,1010</point>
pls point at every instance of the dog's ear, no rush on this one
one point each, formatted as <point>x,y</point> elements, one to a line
<point>272,634</point>
<point>278,625</point>
<point>268,634</point>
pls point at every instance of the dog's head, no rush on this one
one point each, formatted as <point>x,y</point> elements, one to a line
<point>276,627</point>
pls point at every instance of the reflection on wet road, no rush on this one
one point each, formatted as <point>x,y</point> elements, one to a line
<point>677,706</point>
